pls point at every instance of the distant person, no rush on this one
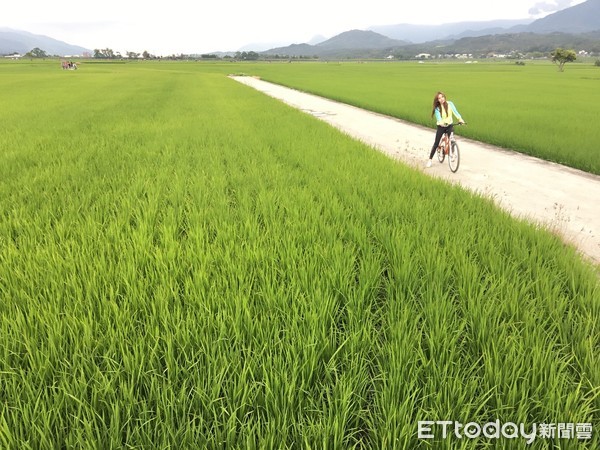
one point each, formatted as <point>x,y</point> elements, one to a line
<point>442,110</point>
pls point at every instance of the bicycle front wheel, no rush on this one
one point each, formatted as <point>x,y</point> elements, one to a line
<point>440,153</point>
<point>454,157</point>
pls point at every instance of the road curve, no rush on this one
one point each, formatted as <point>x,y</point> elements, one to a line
<point>564,200</point>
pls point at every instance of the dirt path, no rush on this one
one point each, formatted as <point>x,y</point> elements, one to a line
<point>564,199</point>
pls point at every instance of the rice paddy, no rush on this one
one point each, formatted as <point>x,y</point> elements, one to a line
<point>186,263</point>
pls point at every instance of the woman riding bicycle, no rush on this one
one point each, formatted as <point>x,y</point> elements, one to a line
<point>443,111</point>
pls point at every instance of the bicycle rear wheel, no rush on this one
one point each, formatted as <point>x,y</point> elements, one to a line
<point>454,157</point>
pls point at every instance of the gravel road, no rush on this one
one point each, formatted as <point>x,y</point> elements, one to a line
<point>563,199</point>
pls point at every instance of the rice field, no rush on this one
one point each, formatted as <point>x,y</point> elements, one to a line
<point>533,109</point>
<point>186,263</point>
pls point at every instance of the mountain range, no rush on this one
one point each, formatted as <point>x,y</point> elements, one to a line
<point>18,41</point>
<point>578,25</point>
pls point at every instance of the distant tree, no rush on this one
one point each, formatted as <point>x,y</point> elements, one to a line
<point>146,55</point>
<point>36,53</point>
<point>247,56</point>
<point>561,57</point>
<point>105,53</point>
<point>597,63</point>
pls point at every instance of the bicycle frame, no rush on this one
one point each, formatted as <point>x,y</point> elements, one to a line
<point>449,147</point>
<point>445,142</point>
<point>447,138</point>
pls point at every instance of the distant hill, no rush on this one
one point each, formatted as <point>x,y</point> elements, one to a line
<point>428,33</point>
<point>581,18</point>
<point>354,43</point>
<point>359,39</point>
<point>522,42</point>
<point>21,42</point>
<point>262,46</point>
<point>574,27</point>
<point>577,19</point>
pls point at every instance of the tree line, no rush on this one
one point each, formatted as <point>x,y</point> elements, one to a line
<point>559,56</point>
<point>108,53</point>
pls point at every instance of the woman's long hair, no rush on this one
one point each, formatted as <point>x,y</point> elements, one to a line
<point>436,103</point>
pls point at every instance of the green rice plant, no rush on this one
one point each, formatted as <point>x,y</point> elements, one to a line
<point>186,263</point>
<point>532,109</point>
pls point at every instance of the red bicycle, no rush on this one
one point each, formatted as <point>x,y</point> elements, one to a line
<point>449,147</point>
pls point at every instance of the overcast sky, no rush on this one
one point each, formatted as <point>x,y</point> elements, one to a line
<point>187,26</point>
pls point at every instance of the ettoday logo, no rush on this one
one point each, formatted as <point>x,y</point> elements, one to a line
<point>428,429</point>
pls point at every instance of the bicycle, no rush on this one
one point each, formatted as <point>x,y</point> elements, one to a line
<point>448,146</point>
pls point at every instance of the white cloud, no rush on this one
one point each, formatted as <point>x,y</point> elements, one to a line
<point>551,6</point>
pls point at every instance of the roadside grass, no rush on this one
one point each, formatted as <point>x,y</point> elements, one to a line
<point>533,109</point>
<point>186,263</point>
